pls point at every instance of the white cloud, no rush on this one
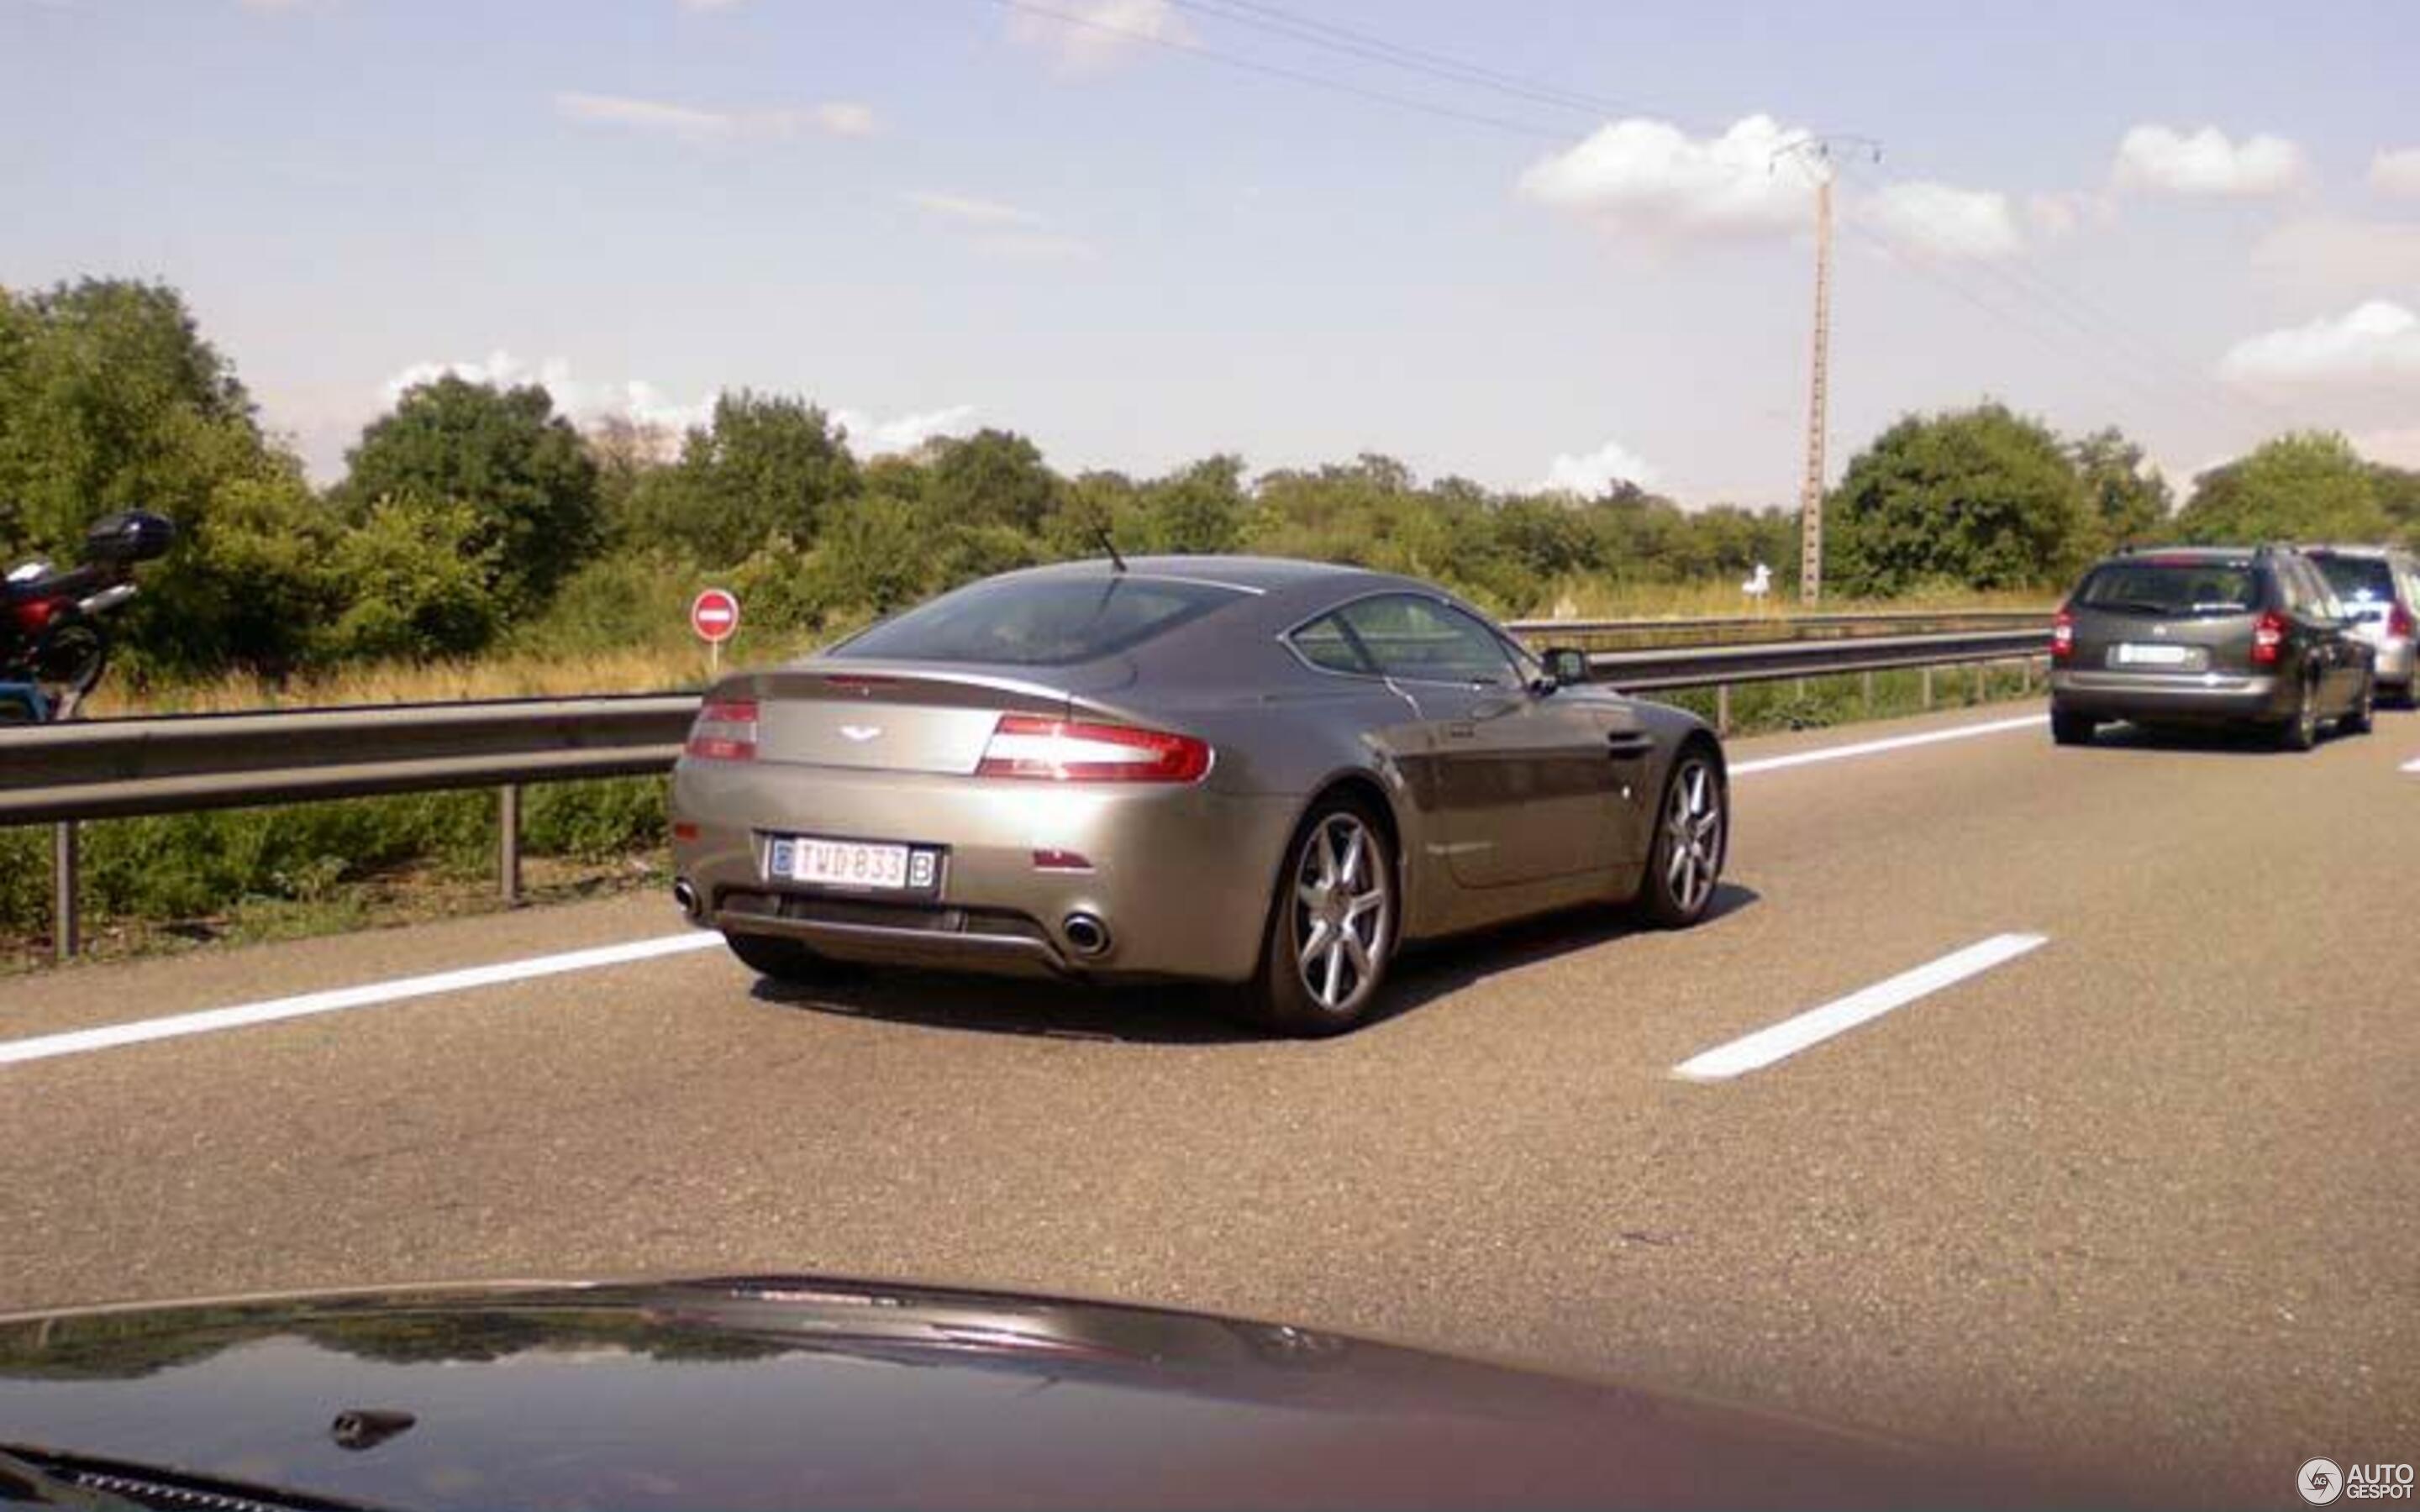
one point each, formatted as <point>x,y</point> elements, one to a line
<point>1590,473</point>
<point>2395,171</point>
<point>582,400</point>
<point>692,123</point>
<point>869,436</point>
<point>2331,256</point>
<point>845,118</point>
<point>1039,247</point>
<point>1649,177</point>
<point>2397,446</point>
<point>2379,340</point>
<point>1097,34</point>
<point>2206,163</point>
<point>1939,221</point>
<point>585,402</point>
<point>973,211</point>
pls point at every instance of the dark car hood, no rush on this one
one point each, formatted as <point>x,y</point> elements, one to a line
<point>806,1392</point>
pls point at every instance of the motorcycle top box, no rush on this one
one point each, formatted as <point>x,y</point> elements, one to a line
<point>129,535</point>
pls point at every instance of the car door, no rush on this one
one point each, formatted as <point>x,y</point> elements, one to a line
<point>1525,782</point>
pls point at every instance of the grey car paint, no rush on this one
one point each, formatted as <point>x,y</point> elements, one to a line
<point>1505,800</point>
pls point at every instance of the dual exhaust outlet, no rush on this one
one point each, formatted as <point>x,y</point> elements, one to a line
<point>1086,935</point>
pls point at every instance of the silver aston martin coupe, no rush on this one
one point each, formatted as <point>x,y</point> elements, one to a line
<point>1264,773</point>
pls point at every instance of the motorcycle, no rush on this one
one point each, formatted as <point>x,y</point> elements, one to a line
<point>54,630</point>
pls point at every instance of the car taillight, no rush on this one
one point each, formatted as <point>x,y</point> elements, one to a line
<point>2062,636</point>
<point>725,730</point>
<point>2399,622</point>
<point>1066,751</point>
<point>2267,637</point>
<point>34,614</point>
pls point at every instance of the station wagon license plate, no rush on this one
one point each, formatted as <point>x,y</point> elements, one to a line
<point>2136,654</point>
<point>863,865</point>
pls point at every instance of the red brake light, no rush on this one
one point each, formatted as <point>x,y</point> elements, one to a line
<point>2062,636</point>
<point>2267,637</point>
<point>725,730</point>
<point>1066,751</point>
<point>34,614</point>
<point>2399,622</point>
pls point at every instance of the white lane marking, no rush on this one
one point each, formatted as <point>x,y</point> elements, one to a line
<point>1786,1039</point>
<point>2413,765</point>
<point>79,1041</point>
<point>1875,747</point>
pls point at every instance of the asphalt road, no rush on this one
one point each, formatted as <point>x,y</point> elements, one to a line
<point>2140,1201</point>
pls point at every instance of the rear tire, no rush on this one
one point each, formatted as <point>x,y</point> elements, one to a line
<point>2302,731</point>
<point>778,959</point>
<point>1332,926</point>
<point>2071,729</point>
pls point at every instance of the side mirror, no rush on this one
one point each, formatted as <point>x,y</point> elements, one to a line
<point>1566,665</point>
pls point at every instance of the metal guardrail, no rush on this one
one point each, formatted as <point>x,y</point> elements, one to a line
<point>1783,624</point>
<point>62,774</point>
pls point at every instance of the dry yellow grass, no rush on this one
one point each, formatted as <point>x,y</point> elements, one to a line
<point>662,669</point>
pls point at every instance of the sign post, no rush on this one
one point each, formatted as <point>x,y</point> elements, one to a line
<point>714,614</point>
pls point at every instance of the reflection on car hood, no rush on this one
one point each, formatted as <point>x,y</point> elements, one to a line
<point>807,1391</point>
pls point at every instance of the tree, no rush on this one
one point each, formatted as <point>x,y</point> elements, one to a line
<point>2128,498</point>
<point>2398,495</point>
<point>1198,510</point>
<point>517,466</point>
<point>2309,485</point>
<point>993,477</point>
<point>765,466</point>
<point>1981,498</point>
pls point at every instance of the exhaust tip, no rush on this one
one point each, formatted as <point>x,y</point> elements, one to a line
<point>1086,935</point>
<point>684,898</point>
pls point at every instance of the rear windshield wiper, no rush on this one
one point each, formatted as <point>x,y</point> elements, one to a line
<point>2137,606</point>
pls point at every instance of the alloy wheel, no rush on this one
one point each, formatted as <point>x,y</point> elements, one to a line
<point>1342,911</point>
<point>1692,827</point>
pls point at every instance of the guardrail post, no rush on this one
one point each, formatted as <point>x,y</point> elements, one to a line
<point>1866,691</point>
<point>1927,687</point>
<point>2025,676</point>
<point>508,840</point>
<point>65,932</point>
<point>1722,708</point>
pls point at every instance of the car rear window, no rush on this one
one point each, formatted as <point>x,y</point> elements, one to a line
<point>1044,622</point>
<point>2172,588</point>
<point>2359,580</point>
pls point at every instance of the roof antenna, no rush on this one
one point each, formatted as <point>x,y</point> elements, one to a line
<point>1101,534</point>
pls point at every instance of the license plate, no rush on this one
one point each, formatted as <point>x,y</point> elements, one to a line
<point>2133,654</point>
<point>849,863</point>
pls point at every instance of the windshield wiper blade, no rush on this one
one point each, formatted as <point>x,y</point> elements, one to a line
<point>55,1478</point>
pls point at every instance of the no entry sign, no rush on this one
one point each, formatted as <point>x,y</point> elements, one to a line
<point>715,615</point>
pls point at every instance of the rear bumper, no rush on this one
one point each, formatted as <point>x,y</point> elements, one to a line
<point>2395,661</point>
<point>2217,697</point>
<point>1181,876</point>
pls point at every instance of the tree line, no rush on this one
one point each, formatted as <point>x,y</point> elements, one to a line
<point>472,516</point>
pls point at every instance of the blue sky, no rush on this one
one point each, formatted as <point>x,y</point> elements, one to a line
<point>2190,220</point>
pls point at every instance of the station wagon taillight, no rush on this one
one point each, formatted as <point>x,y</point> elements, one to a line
<point>2399,622</point>
<point>725,730</point>
<point>1067,751</point>
<point>2267,636</point>
<point>2062,636</point>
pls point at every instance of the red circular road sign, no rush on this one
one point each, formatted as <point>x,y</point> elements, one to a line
<point>715,615</point>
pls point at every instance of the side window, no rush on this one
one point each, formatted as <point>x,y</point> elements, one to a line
<point>2294,582</point>
<point>1328,645</point>
<point>1423,640</point>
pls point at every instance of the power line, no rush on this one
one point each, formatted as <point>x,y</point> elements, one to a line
<point>1342,40</point>
<point>1298,77</point>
